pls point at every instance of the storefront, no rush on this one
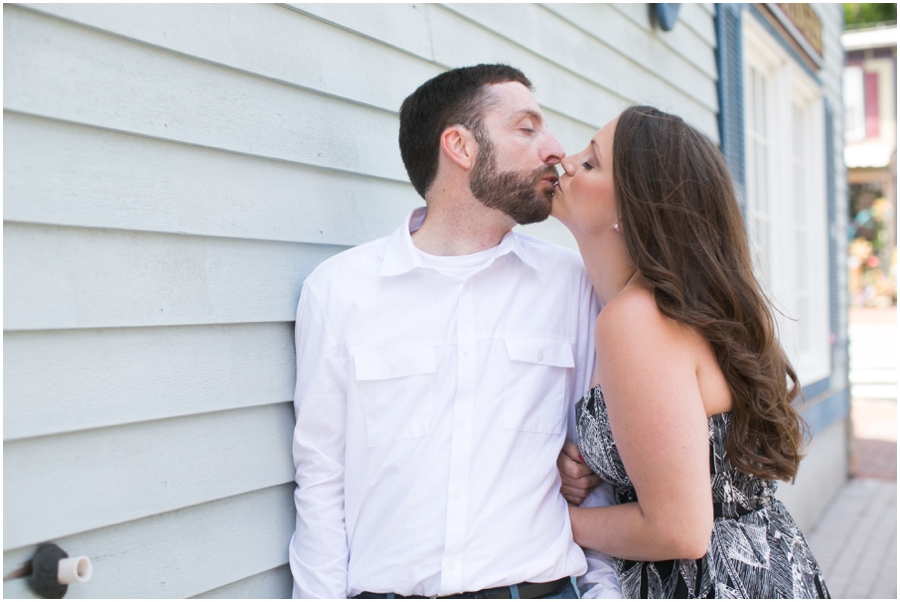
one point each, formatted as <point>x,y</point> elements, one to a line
<point>781,122</point>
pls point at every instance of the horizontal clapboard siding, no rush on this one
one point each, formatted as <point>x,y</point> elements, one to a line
<point>294,49</point>
<point>562,77</point>
<point>606,66</point>
<point>172,173</point>
<point>693,17</point>
<point>114,475</point>
<point>269,584</point>
<point>91,378</point>
<point>65,174</point>
<point>575,74</point>
<point>61,277</point>
<point>405,27</point>
<point>72,73</point>
<point>182,553</point>
<point>681,50</point>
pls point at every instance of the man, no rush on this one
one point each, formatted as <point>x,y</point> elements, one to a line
<point>437,370</point>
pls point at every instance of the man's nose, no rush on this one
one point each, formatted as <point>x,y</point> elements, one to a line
<point>553,152</point>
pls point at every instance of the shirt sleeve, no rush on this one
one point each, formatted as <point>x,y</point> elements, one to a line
<point>585,354</point>
<point>318,551</point>
<point>600,580</point>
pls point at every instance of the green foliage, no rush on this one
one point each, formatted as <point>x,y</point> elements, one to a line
<point>857,15</point>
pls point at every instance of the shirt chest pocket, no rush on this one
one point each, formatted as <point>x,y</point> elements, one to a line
<point>535,399</point>
<point>397,391</point>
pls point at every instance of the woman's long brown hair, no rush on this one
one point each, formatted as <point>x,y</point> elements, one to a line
<point>685,233</point>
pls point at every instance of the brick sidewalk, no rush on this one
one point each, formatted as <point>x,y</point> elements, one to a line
<point>873,378</point>
<point>855,541</point>
<point>873,451</point>
<point>874,459</point>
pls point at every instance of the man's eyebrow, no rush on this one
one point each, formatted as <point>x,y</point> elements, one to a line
<point>530,113</point>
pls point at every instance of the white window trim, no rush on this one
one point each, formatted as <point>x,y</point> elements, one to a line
<point>791,85</point>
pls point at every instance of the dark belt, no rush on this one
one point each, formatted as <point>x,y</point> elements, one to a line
<point>526,590</point>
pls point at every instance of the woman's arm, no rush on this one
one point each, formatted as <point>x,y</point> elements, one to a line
<point>647,369</point>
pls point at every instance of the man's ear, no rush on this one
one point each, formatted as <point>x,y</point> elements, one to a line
<point>459,145</point>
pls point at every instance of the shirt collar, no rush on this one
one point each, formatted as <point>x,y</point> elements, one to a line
<point>400,254</point>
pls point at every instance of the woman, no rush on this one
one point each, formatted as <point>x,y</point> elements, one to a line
<point>689,416</point>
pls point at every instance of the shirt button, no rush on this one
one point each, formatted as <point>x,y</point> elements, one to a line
<point>394,368</point>
<point>451,565</point>
<point>465,353</point>
<point>457,492</point>
<point>462,420</point>
<point>540,356</point>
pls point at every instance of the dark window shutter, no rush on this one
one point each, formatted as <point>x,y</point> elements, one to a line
<point>730,59</point>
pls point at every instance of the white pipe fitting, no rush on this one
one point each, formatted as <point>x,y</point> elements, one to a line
<point>74,570</point>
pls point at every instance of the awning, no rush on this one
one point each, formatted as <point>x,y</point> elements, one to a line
<point>869,155</point>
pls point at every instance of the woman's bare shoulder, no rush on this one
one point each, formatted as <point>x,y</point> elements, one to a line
<point>633,308</point>
<point>635,334</point>
<point>633,321</point>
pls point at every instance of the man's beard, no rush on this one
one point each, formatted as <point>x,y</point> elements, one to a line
<point>517,194</point>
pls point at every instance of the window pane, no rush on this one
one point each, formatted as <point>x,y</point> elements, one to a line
<point>803,334</point>
<point>871,93</point>
<point>854,110</point>
<point>802,262</point>
<point>758,149</point>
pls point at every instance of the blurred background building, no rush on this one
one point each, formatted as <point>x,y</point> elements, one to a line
<point>870,133</point>
<point>173,172</point>
<point>781,117</point>
<point>856,540</point>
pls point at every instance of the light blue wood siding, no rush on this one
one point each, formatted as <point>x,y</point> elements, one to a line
<point>172,173</point>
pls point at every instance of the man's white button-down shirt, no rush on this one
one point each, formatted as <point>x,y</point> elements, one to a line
<point>431,406</point>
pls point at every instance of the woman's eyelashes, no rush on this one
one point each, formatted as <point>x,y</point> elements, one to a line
<point>587,165</point>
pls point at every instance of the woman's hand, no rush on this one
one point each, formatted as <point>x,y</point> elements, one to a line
<point>578,480</point>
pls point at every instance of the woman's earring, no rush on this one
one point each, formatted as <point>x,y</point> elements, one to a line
<point>616,227</point>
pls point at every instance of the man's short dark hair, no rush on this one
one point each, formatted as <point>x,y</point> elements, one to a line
<point>455,97</point>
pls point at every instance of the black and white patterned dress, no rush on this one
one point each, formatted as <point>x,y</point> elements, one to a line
<point>756,549</point>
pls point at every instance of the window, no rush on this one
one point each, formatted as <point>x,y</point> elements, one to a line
<point>786,204</point>
<point>861,104</point>
<point>870,80</point>
<point>802,235</point>
<point>758,155</point>
<point>854,104</point>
